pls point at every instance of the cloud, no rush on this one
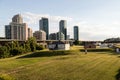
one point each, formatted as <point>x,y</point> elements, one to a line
<point>32,18</point>
<point>98,31</point>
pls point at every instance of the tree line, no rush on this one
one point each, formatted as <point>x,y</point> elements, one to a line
<point>15,48</point>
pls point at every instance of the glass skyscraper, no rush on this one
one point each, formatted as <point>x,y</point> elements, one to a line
<point>76,33</point>
<point>44,25</point>
<point>63,28</point>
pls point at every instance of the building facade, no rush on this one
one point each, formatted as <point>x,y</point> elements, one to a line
<point>16,29</point>
<point>60,36</point>
<point>53,36</point>
<point>30,33</point>
<point>40,35</point>
<point>76,33</point>
<point>44,25</point>
<point>8,31</point>
<point>68,37</point>
<point>59,45</point>
<point>63,28</point>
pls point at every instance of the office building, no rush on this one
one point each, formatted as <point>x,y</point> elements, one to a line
<point>16,29</point>
<point>68,37</point>
<point>40,35</point>
<point>44,25</point>
<point>53,36</point>
<point>76,33</point>
<point>7,31</point>
<point>30,33</point>
<point>63,28</point>
<point>60,36</point>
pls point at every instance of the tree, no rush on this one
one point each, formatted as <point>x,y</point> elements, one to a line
<point>76,42</point>
<point>32,42</point>
<point>27,47</point>
<point>4,52</point>
<point>39,47</point>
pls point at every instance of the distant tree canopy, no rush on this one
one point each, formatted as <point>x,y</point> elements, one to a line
<point>32,42</point>
<point>76,42</point>
<point>15,48</point>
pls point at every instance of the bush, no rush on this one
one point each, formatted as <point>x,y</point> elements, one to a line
<point>5,77</point>
<point>76,42</point>
<point>32,43</point>
<point>17,51</point>
<point>4,52</point>
<point>27,47</point>
<point>96,50</point>
<point>39,47</point>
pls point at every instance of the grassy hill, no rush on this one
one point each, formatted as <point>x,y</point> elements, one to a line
<point>72,65</point>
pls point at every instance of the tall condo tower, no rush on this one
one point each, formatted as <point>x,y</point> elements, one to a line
<point>63,28</point>
<point>44,25</point>
<point>76,33</point>
<point>16,29</point>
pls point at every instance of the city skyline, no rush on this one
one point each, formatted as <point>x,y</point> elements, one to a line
<point>97,19</point>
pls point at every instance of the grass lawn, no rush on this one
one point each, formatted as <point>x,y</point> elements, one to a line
<point>77,66</point>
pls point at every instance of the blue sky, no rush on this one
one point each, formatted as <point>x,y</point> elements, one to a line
<point>97,19</point>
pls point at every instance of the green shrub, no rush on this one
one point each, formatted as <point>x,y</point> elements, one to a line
<point>76,42</point>
<point>27,47</point>
<point>39,47</point>
<point>96,50</point>
<point>4,52</point>
<point>32,43</point>
<point>17,51</point>
<point>5,77</point>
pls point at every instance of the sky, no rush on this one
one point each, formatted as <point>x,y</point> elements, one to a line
<point>97,19</point>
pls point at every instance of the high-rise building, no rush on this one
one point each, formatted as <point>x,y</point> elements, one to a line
<point>76,33</point>
<point>30,33</point>
<point>53,36</point>
<point>68,37</point>
<point>40,35</point>
<point>16,29</point>
<point>60,36</point>
<point>44,25</point>
<point>63,28</point>
<point>8,31</point>
<point>17,19</point>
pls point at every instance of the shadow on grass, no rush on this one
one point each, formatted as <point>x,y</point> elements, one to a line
<point>118,75</point>
<point>46,54</point>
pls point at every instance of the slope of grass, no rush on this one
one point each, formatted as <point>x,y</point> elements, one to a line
<point>93,66</point>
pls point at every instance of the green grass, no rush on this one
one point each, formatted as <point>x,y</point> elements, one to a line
<point>73,65</point>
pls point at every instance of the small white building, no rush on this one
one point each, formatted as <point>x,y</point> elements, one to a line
<point>59,46</point>
<point>117,50</point>
<point>104,45</point>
